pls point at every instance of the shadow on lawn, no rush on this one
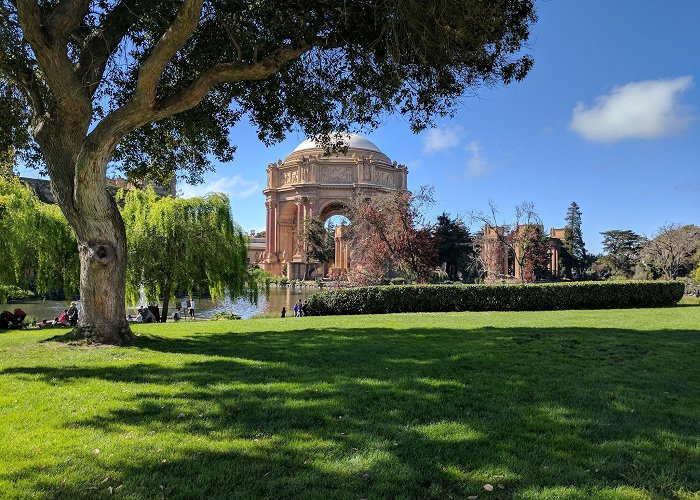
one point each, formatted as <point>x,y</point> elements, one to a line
<point>411,413</point>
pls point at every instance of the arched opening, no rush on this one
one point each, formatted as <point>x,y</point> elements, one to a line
<point>336,238</point>
<point>287,227</point>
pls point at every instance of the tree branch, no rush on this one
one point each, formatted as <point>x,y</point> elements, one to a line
<point>26,81</point>
<point>54,63</point>
<point>193,94</point>
<point>65,18</point>
<point>167,46</point>
<point>101,44</point>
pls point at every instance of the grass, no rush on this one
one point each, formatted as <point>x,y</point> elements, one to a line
<point>553,405</point>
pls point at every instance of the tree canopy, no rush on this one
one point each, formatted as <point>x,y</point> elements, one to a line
<point>455,247</point>
<point>38,245</point>
<point>390,235</point>
<point>575,261</point>
<point>622,247</point>
<point>143,66</point>
<point>154,87</point>
<point>674,251</point>
<point>183,244</point>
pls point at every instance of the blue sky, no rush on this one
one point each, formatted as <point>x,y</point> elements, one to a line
<point>608,117</point>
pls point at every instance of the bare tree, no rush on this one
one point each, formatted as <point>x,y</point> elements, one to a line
<point>672,250</point>
<point>520,238</point>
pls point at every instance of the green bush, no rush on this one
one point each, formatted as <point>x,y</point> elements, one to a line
<point>520,297</point>
<point>10,292</point>
<point>224,316</point>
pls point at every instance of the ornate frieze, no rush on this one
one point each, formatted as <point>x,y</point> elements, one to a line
<point>289,177</point>
<point>337,174</point>
<point>385,178</point>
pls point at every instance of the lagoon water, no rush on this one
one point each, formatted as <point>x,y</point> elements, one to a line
<point>269,305</point>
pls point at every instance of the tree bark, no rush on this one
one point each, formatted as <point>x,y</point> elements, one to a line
<point>102,249</point>
<point>167,290</point>
<point>99,230</point>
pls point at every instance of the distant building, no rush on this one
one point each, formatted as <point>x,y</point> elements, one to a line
<point>256,248</point>
<point>500,262</point>
<point>42,187</point>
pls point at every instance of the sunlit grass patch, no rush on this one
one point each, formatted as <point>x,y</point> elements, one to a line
<point>566,404</point>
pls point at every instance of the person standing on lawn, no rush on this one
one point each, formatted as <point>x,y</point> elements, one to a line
<point>192,305</point>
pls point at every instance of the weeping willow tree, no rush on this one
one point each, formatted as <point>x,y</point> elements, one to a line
<point>37,245</point>
<point>182,244</point>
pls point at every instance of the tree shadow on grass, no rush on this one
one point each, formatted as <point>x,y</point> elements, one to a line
<point>414,413</point>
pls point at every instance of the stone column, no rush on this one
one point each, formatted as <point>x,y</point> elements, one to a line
<point>273,228</point>
<point>313,202</point>
<point>338,249</point>
<point>518,255</point>
<point>345,254</point>
<point>300,227</point>
<point>268,229</point>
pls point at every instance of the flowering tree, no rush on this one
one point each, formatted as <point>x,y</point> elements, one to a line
<point>390,234</point>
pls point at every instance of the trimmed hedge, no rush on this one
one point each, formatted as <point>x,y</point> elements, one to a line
<point>520,297</point>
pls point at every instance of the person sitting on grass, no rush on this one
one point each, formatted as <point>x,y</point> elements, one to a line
<point>73,314</point>
<point>12,320</point>
<point>146,315</point>
<point>45,323</point>
<point>5,320</point>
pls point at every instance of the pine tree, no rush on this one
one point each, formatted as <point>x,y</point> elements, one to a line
<point>573,242</point>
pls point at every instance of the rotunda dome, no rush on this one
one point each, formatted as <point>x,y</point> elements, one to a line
<point>354,141</point>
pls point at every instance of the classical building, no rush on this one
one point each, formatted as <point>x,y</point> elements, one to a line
<point>42,187</point>
<point>499,262</point>
<point>308,184</point>
<point>256,248</point>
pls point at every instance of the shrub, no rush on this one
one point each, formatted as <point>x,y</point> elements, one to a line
<point>224,315</point>
<point>520,297</point>
<point>10,292</point>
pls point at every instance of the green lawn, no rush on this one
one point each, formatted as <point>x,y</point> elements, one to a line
<point>563,404</point>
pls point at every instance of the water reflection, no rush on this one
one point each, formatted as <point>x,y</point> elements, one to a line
<point>269,305</point>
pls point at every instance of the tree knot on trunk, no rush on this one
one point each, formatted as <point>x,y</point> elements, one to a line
<point>101,252</point>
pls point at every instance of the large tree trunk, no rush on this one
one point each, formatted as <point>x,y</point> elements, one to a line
<point>102,281</point>
<point>78,184</point>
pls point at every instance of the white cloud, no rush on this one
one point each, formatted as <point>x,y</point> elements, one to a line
<point>236,187</point>
<point>440,139</point>
<point>642,110</point>
<point>477,164</point>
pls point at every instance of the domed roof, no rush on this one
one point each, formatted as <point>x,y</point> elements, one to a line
<point>353,140</point>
